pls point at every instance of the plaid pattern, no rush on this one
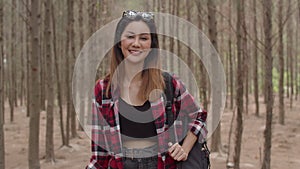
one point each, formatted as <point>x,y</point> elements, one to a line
<point>106,137</point>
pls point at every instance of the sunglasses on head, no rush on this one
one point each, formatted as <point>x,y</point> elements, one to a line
<point>133,14</point>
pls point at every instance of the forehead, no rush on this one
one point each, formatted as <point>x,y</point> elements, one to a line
<point>137,27</point>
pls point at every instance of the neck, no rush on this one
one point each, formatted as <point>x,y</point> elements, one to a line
<point>133,72</point>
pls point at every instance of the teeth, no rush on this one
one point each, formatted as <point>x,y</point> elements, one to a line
<point>135,51</point>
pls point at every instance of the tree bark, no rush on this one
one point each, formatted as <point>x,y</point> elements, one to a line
<point>239,85</point>
<point>202,71</point>
<point>81,42</point>
<point>72,62</point>
<point>267,21</point>
<point>246,57</point>
<point>171,25</point>
<point>28,55</point>
<point>57,76</point>
<point>12,62</point>
<point>177,32</point>
<point>290,55</point>
<point>255,64</point>
<point>230,61</point>
<point>67,73</point>
<point>212,28</point>
<point>281,64</point>
<point>34,122</point>
<point>50,90</point>
<point>2,145</point>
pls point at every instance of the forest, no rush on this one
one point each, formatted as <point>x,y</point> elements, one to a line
<point>251,94</point>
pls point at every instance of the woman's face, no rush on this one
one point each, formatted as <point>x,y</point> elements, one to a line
<point>136,41</point>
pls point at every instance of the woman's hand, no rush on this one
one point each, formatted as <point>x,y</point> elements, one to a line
<point>177,152</point>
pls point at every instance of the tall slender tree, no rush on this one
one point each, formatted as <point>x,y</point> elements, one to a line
<point>230,59</point>
<point>34,122</point>
<point>57,75</point>
<point>72,62</point>
<point>81,38</point>
<point>202,71</point>
<point>212,28</point>
<point>267,21</point>
<point>50,81</point>
<point>290,54</point>
<point>281,63</point>
<point>28,55</point>
<point>239,85</point>
<point>2,145</point>
<point>255,57</point>
<point>12,62</point>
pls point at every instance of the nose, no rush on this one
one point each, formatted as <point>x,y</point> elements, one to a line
<point>136,42</point>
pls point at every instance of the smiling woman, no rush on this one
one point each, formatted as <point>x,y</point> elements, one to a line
<point>129,113</point>
<point>136,41</point>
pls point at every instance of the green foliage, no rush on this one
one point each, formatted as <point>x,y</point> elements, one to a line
<point>275,80</point>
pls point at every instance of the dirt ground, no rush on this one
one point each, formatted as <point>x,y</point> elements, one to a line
<point>285,141</point>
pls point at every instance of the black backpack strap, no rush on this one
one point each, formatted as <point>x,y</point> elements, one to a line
<point>169,93</point>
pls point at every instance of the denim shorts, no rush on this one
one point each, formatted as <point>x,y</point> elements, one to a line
<point>140,163</point>
<point>145,158</point>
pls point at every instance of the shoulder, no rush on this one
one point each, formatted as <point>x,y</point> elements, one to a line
<point>177,84</point>
<point>100,87</point>
<point>175,79</point>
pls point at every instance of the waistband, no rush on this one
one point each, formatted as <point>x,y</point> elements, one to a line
<point>147,152</point>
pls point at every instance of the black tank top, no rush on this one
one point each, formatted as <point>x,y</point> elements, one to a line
<point>136,121</point>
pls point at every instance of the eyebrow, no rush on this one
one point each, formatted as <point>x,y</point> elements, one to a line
<point>139,34</point>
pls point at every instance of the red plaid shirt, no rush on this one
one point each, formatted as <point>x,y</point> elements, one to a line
<point>106,137</point>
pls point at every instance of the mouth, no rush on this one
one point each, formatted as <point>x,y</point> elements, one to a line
<point>135,52</point>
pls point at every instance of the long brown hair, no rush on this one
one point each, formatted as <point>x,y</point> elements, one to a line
<point>151,74</point>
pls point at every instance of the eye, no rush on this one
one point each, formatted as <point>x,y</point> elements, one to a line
<point>144,38</point>
<point>130,36</point>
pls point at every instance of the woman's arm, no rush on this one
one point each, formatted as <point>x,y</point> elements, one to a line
<point>185,102</point>
<point>180,153</point>
<point>100,157</point>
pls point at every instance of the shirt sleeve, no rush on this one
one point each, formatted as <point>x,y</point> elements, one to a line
<point>100,156</point>
<point>187,105</point>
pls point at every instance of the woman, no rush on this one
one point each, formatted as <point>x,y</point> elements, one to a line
<point>129,118</point>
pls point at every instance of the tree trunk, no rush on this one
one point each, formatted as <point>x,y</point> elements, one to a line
<point>2,145</point>
<point>42,60</point>
<point>212,27</point>
<point>22,85</point>
<point>57,76</point>
<point>72,62</point>
<point>246,57</point>
<point>81,42</point>
<point>255,64</point>
<point>189,51</point>
<point>267,20</point>
<point>50,90</point>
<point>297,59</point>
<point>290,55</point>
<point>177,32</point>
<point>281,64</point>
<point>14,57</point>
<point>12,62</point>
<point>67,72</point>
<point>34,122</point>
<point>202,71</point>
<point>172,25</point>
<point>28,55</point>
<point>230,61</point>
<point>239,85</point>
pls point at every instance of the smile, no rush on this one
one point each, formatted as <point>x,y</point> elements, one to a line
<point>135,52</point>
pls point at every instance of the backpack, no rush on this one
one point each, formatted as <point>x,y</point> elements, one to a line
<point>199,155</point>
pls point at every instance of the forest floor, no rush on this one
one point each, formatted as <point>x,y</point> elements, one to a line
<point>285,141</point>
